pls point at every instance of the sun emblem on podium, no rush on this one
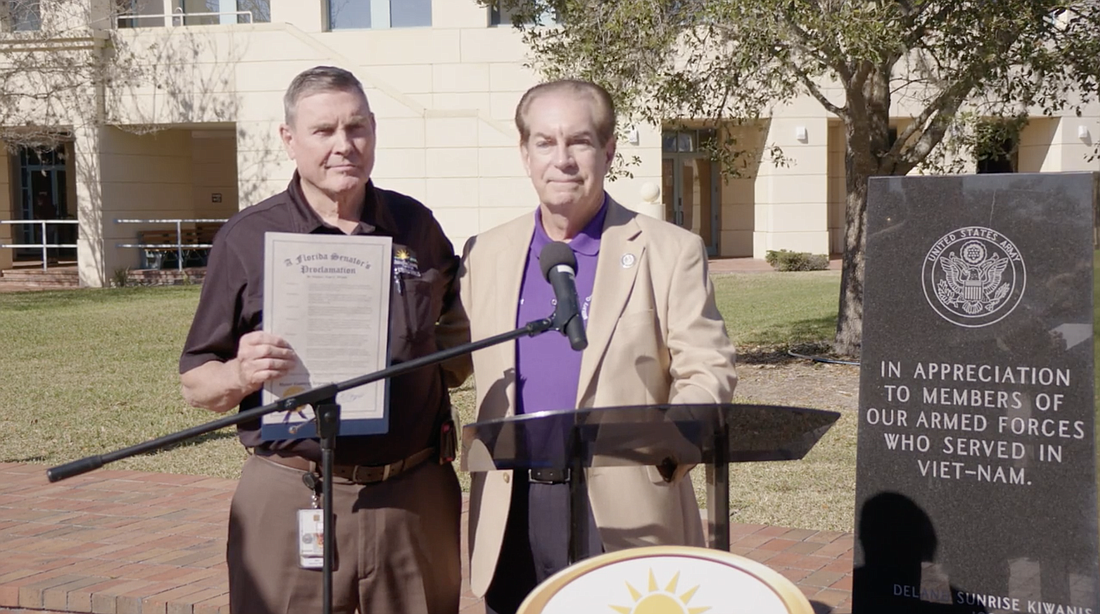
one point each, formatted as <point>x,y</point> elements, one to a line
<point>660,601</point>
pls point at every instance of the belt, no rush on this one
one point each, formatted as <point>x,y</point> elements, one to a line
<point>548,476</point>
<point>357,474</point>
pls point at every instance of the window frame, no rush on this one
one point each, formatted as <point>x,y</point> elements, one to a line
<point>380,16</point>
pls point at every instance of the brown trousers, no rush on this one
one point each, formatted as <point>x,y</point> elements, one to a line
<point>397,543</point>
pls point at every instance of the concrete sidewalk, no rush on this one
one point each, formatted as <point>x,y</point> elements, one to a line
<point>126,542</point>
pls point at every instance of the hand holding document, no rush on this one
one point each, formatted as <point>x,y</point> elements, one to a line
<point>328,296</point>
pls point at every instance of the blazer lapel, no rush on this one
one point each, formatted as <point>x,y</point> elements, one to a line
<point>622,246</point>
<point>511,260</point>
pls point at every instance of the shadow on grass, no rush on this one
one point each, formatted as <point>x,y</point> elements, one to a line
<point>26,459</point>
<point>812,337</point>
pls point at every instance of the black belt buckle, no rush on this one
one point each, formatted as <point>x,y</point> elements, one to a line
<point>548,476</point>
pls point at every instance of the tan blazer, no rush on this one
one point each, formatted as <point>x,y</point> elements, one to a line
<point>654,336</point>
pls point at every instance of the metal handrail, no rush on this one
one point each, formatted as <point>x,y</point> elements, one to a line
<point>179,244</point>
<point>43,245</point>
<point>169,19</point>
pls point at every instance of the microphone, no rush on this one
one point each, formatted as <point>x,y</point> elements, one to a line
<point>559,266</point>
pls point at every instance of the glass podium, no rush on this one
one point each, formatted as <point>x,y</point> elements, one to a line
<point>713,435</point>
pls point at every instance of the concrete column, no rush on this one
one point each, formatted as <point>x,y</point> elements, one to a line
<point>90,247</point>
<point>64,16</point>
<point>792,201</point>
<point>1075,140</point>
<point>7,210</point>
<point>100,15</point>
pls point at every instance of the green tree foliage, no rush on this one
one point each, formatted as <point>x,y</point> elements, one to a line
<point>952,62</point>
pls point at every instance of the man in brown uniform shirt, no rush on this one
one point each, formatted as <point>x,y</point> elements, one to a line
<point>397,529</point>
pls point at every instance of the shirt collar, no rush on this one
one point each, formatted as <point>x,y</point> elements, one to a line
<point>374,215</point>
<point>587,241</point>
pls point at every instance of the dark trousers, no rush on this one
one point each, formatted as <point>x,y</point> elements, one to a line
<point>536,543</point>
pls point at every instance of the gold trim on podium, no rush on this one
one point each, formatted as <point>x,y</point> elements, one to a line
<point>785,590</point>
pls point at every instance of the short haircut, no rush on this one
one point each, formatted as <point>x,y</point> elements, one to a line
<point>318,79</point>
<point>603,108</point>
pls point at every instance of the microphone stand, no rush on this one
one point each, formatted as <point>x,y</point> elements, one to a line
<point>327,416</point>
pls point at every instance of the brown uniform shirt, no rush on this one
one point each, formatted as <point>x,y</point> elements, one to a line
<point>425,314</point>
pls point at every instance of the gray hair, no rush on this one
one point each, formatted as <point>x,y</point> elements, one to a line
<point>603,107</point>
<point>318,79</point>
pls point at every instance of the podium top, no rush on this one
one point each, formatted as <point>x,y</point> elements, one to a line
<point>643,435</point>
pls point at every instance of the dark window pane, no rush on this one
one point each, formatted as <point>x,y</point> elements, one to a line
<point>26,15</point>
<point>141,14</point>
<point>1000,160</point>
<point>260,9</point>
<point>707,139</point>
<point>685,141</point>
<point>499,16</point>
<point>349,14</point>
<point>410,13</point>
<point>192,8</point>
<point>668,142</point>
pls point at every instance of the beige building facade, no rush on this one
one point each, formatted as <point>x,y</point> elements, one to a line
<point>193,134</point>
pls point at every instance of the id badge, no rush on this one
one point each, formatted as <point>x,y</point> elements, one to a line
<point>311,539</point>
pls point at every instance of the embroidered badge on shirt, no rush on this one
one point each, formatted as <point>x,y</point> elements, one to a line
<point>404,263</point>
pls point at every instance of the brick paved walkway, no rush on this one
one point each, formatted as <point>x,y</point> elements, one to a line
<point>125,542</point>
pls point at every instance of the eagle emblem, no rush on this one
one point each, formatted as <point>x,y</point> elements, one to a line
<point>974,276</point>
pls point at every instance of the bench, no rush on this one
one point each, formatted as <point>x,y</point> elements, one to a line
<point>159,246</point>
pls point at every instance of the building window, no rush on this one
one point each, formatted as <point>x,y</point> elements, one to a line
<point>687,141</point>
<point>209,12</point>
<point>141,14</point>
<point>996,146</point>
<point>363,14</point>
<point>260,9</point>
<point>500,16</point>
<point>1001,157</point>
<point>150,13</point>
<point>22,15</point>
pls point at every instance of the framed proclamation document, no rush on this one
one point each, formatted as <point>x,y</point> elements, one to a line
<point>328,296</point>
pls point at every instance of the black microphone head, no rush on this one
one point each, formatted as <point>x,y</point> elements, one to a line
<point>554,254</point>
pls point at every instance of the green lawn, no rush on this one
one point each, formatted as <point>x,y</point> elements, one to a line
<point>778,309</point>
<point>89,371</point>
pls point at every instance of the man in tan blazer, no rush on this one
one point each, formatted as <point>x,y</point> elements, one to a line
<point>654,337</point>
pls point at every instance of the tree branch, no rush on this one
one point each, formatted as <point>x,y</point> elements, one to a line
<point>816,92</point>
<point>859,79</point>
<point>806,41</point>
<point>945,105</point>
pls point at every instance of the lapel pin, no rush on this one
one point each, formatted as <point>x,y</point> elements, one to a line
<point>627,260</point>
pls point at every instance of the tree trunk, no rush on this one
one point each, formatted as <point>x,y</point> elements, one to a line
<point>867,128</point>
<point>849,322</point>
